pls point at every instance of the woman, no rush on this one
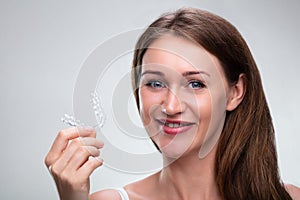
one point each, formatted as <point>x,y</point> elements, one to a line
<point>201,101</point>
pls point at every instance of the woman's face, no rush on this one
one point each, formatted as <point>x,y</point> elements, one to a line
<point>183,95</point>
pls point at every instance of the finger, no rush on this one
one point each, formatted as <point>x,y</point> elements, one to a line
<point>90,141</point>
<point>91,144</point>
<point>63,160</point>
<point>93,151</point>
<point>72,161</point>
<point>89,166</point>
<point>86,131</point>
<point>81,155</point>
<point>61,141</point>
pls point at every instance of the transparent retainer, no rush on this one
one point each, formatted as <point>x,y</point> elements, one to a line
<point>98,111</point>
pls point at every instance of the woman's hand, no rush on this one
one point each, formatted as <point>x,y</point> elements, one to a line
<point>72,158</point>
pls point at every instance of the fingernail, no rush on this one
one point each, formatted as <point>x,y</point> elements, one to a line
<point>89,128</point>
<point>99,159</point>
<point>102,144</point>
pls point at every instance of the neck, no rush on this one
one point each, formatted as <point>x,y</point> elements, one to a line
<point>190,177</point>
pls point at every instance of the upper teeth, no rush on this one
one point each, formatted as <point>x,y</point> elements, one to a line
<point>172,125</point>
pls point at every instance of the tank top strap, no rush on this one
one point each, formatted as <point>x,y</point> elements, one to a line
<point>123,193</point>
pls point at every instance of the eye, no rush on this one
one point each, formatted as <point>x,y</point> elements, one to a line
<point>155,84</point>
<point>196,84</point>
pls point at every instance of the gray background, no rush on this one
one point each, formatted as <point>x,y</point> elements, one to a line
<point>44,43</point>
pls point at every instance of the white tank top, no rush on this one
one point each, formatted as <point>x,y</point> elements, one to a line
<point>123,193</point>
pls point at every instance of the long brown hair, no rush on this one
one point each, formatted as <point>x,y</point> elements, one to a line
<point>246,160</point>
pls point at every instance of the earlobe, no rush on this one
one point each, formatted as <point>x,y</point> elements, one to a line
<point>236,93</point>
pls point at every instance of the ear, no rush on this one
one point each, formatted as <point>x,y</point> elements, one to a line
<point>236,93</point>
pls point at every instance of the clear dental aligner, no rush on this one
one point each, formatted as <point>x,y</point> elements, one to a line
<point>98,111</point>
<point>71,121</point>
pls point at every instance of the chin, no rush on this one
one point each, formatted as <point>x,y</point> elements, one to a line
<point>172,153</point>
<point>175,148</point>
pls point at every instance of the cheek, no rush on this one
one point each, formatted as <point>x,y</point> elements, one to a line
<point>214,125</point>
<point>148,103</point>
<point>144,104</point>
<point>202,107</point>
<point>203,111</point>
<point>218,101</point>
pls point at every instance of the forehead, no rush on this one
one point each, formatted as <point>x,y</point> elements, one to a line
<point>180,54</point>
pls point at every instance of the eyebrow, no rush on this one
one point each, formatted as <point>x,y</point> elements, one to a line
<point>153,72</point>
<point>188,73</point>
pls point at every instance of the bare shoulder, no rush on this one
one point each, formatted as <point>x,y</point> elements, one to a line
<point>106,194</point>
<point>293,190</point>
<point>141,189</point>
<point>144,188</point>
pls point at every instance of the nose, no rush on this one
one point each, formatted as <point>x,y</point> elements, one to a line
<point>172,104</point>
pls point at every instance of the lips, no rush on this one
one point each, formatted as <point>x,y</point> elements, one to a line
<point>174,127</point>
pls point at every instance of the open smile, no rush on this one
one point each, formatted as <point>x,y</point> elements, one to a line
<point>174,127</point>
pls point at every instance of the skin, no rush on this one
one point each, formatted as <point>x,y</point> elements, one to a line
<point>192,89</point>
<point>185,175</point>
<point>293,191</point>
<point>189,157</point>
<point>70,163</point>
